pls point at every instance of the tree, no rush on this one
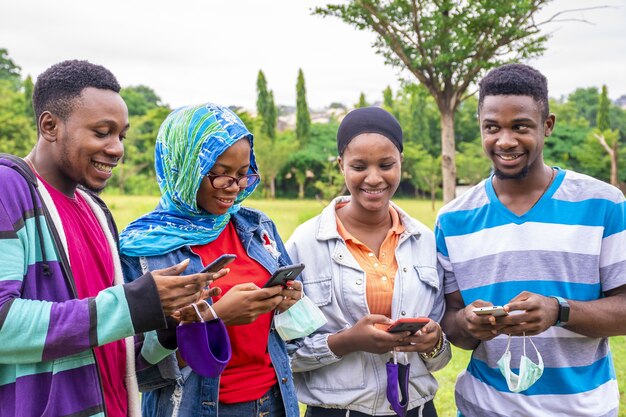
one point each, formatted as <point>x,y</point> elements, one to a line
<point>362,101</point>
<point>140,99</point>
<point>303,118</point>
<point>446,44</point>
<point>17,131</point>
<point>422,169</point>
<point>605,136</point>
<point>388,101</point>
<point>265,107</point>
<point>28,98</point>
<point>9,71</point>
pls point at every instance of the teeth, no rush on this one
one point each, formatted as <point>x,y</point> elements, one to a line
<point>509,157</point>
<point>102,167</point>
<point>223,200</point>
<point>374,191</point>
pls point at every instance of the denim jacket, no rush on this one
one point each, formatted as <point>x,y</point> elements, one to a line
<point>335,282</point>
<point>157,368</point>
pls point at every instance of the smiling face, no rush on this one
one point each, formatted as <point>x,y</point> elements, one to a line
<point>513,131</point>
<point>371,164</point>
<point>235,162</point>
<point>87,145</point>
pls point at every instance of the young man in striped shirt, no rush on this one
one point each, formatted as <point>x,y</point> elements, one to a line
<point>548,245</point>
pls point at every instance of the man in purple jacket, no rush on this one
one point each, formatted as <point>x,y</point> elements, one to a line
<point>66,318</point>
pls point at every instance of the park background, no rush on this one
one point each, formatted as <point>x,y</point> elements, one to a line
<point>291,75</point>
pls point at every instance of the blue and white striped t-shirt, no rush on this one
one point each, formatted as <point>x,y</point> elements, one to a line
<point>571,243</point>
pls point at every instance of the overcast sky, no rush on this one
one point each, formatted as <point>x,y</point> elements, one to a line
<point>191,51</point>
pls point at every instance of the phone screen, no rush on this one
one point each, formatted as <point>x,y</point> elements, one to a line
<point>219,263</point>
<point>408,325</point>
<point>284,274</point>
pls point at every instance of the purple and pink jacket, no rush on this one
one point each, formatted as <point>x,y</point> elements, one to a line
<point>47,366</point>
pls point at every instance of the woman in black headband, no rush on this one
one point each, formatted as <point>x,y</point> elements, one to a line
<point>368,265</point>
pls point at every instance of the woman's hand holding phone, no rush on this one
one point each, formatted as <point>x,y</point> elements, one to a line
<point>291,294</point>
<point>242,304</point>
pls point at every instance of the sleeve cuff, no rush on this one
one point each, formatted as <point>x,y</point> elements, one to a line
<point>144,304</point>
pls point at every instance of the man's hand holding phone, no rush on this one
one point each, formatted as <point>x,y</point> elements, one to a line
<point>176,290</point>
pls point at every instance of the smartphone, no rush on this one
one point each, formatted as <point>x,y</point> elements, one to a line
<point>284,274</point>
<point>219,263</point>
<point>408,325</point>
<point>496,311</point>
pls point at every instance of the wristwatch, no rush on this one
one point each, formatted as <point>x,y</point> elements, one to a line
<point>563,316</point>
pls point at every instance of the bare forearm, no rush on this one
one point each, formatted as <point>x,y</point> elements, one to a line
<point>599,318</point>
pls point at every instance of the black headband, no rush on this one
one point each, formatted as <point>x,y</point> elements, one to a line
<point>368,120</point>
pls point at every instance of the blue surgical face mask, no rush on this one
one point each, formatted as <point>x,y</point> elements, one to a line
<point>529,372</point>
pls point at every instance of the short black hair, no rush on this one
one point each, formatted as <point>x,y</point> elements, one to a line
<point>58,87</point>
<point>517,80</point>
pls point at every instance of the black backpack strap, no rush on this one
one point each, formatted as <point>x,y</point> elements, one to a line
<point>22,168</point>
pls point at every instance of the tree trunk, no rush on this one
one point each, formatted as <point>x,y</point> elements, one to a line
<point>273,187</point>
<point>300,190</point>
<point>448,165</point>
<point>614,169</point>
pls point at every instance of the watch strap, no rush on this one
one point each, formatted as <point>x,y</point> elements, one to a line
<point>563,315</point>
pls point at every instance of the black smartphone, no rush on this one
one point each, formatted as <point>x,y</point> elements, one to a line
<point>219,263</point>
<point>408,325</point>
<point>284,274</point>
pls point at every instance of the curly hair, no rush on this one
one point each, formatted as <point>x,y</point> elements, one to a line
<point>518,80</point>
<point>58,88</point>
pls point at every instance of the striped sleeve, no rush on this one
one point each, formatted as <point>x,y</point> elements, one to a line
<point>39,319</point>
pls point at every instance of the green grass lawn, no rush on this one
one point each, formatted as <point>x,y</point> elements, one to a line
<point>290,213</point>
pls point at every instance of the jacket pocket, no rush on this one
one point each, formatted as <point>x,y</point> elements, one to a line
<point>319,290</point>
<point>429,276</point>
<point>347,374</point>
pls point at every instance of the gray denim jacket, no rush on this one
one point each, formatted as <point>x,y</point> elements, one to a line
<point>335,282</point>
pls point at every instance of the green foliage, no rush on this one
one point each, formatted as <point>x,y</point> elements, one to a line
<point>418,116</point>
<point>140,99</point>
<point>603,121</point>
<point>136,175</point>
<point>362,101</point>
<point>28,87</point>
<point>271,156</point>
<point>446,45</point>
<point>585,101</point>
<point>472,163</point>
<point>388,101</point>
<point>265,107</point>
<point>303,118</point>
<point>17,131</point>
<point>303,165</point>
<point>10,73</point>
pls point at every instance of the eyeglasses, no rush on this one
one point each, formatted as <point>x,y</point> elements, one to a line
<point>225,181</point>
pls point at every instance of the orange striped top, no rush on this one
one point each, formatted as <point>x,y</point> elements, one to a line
<point>380,271</point>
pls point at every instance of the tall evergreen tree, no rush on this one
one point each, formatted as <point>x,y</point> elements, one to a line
<point>388,101</point>
<point>362,101</point>
<point>303,117</point>
<point>265,107</point>
<point>603,122</point>
<point>607,138</point>
<point>28,98</point>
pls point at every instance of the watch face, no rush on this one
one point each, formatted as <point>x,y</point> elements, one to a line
<point>564,312</point>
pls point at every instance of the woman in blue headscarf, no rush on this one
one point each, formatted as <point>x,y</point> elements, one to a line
<point>205,168</point>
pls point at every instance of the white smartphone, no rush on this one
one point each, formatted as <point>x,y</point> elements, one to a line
<point>496,311</point>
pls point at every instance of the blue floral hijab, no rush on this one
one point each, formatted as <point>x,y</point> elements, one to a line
<point>189,142</point>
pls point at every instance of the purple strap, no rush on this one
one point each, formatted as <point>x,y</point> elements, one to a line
<point>398,375</point>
